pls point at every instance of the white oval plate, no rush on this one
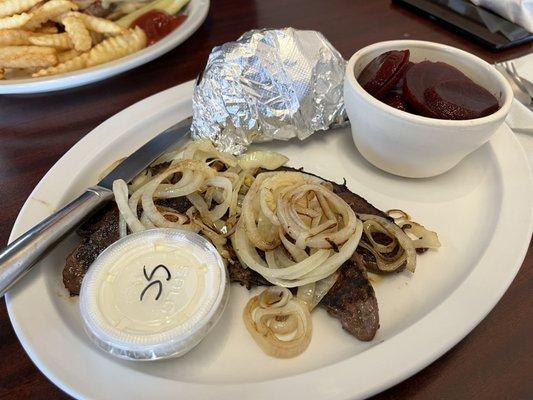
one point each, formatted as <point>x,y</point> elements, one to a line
<point>196,13</point>
<point>481,210</point>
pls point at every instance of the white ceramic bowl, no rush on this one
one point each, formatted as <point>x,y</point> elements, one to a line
<point>411,145</point>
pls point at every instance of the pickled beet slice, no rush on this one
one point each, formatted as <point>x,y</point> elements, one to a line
<point>383,72</point>
<point>398,87</point>
<point>459,99</point>
<point>425,75</point>
<point>396,100</point>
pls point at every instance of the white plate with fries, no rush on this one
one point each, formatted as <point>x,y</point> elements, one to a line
<point>481,210</point>
<point>48,45</point>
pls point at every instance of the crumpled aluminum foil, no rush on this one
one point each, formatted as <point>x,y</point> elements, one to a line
<point>269,84</point>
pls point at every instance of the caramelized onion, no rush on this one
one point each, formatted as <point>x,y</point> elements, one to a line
<point>279,323</point>
<point>120,190</point>
<point>425,239</point>
<point>406,252</point>
<point>312,293</point>
<point>314,267</point>
<point>305,230</point>
<point>422,237</point>
<point>262,159</point>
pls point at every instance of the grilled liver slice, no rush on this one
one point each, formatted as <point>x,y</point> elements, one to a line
<point>352,299</point>
<point>99,232</point>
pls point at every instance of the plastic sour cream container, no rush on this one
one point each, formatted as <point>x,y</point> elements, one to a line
<point>154,294</point>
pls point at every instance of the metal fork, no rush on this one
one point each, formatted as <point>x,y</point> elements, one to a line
<point>521,84</point>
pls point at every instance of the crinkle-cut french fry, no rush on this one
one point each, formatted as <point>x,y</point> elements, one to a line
<point>27,56</point>
<point>49,11</point>
<point>67,55</point>
<point>60,41</point>
<point>10,7</point>
<point>110,49</point>
<point>14,37</point>
<point>100,25</point>
<point>78,33</point>
<point>15,21</point>
<point>117,47</point>
<point>73,64</point>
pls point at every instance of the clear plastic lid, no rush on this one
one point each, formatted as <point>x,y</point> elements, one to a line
<point>154,294</point>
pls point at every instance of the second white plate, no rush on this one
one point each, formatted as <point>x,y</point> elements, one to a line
<point>481,210</point>
<point>196,13</point>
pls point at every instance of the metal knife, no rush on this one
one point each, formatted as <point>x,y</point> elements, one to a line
<point>22,254</point>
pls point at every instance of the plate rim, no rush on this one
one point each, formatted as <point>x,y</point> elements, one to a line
<point>333,385</point>
<point>107,70</point>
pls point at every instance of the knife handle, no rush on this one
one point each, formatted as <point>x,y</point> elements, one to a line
<point>20,256</point>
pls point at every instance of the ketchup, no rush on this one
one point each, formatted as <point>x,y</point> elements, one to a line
<point>158,24</point>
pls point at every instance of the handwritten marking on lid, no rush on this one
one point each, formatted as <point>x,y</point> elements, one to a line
<point>158,282</point>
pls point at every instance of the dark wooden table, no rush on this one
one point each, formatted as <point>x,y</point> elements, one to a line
<point>494,362</point>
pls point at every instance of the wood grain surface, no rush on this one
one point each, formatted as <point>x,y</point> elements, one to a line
<point>494,362</point>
